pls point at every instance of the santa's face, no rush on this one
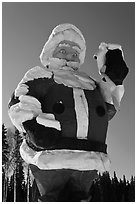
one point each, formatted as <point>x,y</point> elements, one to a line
<point>67,51</point>
<point>65,56</point>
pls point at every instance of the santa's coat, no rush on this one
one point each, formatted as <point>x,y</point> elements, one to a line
<point>65,116</point>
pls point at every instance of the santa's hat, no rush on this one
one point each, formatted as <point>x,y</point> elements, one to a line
<point>60,33</point>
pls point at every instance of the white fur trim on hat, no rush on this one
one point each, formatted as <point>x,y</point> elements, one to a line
<point>60,33</point>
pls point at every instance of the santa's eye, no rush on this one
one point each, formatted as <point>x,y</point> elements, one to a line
<point>63,51</point>
<point>75,55</point>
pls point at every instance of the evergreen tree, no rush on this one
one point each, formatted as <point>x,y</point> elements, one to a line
<point>105,183</point>
<point>10,190</point>
<point>16,163</point>
<point>115,180</point>
<point>5,158</point>
<point>20,196</point>
<point>116,188</point>
<point>28,184</point>
<point>5,150</point>
<point>95,192</point>
<point>132,190</point>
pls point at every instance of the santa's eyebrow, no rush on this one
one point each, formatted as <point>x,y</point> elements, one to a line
<point>67,45</point>
<point>64,45</point>
<point>76,48</point>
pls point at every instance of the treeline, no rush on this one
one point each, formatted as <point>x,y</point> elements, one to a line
<point>17,179</point>
<point>107,189</point>
<point>16,176</point>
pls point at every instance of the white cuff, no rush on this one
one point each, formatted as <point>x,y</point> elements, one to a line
<point>100,56</point>
<point>18,116</point>
<point>112,94</point>
<point>48,120</point>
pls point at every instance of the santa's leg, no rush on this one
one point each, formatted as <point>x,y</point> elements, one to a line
<point>81,182</point>
<point>50,183</point>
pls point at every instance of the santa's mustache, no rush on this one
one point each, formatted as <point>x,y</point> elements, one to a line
<point>64,64</point>
<point>74,65</point>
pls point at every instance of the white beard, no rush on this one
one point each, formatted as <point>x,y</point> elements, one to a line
<point>62,64</point>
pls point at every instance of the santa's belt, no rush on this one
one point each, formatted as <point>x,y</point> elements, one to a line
<point>73,144</point>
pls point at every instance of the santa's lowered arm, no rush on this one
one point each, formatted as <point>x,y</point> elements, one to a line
<point>113,70</point>
<point>25,110</point>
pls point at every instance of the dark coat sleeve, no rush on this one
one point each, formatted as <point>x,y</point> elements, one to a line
<point>116,70</point>
<point>36,134</point>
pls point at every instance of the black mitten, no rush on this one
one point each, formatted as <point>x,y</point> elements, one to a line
<point>116,68</point>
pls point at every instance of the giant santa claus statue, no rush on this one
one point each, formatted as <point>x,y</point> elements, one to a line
<point>65,113</point>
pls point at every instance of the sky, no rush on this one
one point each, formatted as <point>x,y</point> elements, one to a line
<point>26,27</point>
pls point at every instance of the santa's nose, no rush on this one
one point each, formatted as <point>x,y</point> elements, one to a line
<point>69,57</point>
